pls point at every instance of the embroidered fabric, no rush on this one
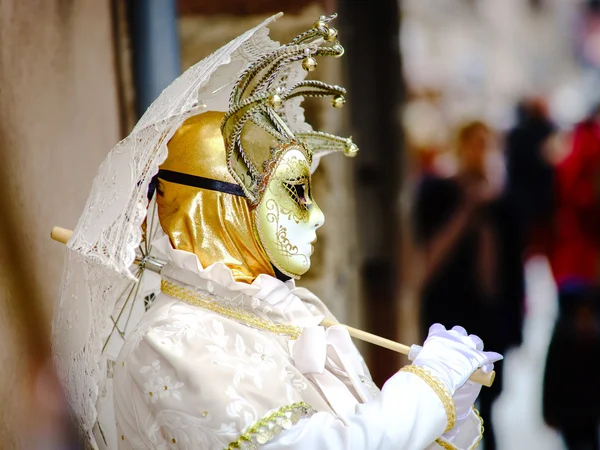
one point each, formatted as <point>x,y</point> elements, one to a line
<point>191,377</point>
<point>103,294</point>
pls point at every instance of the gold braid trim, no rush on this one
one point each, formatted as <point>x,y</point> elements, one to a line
<point>254,321</point>
<point>481,429</point>
<point>439,388</point>
<point>448,446</point>
<point>270,426</point>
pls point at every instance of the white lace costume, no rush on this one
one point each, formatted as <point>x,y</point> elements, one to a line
<point>215,363</point>
<point>229,367</point>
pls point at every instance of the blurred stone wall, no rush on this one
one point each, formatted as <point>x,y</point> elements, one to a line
<point>59,116</point>
<point>334,275</point>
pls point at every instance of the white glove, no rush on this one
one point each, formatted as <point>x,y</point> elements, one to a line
<point>464,398</point>
<point>467,394</point>
<point>453,356</point>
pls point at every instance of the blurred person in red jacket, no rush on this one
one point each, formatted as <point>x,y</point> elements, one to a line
<point>575,258</point>
<point>576,243</point>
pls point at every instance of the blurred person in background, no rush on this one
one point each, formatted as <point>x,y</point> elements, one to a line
<point>468,232</point>
<point>530,173</point>
<point>575,262</point>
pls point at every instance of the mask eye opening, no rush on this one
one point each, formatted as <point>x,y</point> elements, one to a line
<point>299,190</point>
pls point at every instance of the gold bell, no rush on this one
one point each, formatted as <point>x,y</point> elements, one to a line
<point>332,35</point>
<point>320,23</point>
<point>275,101</point>
<point>309,64</point>
<point>338,101</point>
<point>351,150</point>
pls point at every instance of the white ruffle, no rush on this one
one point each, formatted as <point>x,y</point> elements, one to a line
<point>281,301</point>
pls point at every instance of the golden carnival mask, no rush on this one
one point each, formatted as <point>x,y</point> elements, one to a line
<point>267,157</point>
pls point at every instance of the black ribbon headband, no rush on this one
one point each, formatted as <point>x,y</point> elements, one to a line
<point>195,181</point>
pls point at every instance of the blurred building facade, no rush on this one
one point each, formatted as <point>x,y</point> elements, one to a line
<point>59,115</point>
<point>485,56</point>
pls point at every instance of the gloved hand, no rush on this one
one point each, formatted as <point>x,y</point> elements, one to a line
<point>453,356</point>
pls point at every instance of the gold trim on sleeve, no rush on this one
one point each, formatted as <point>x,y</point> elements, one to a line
<point>251,320</point>
<point>270,426</point>
<point>445,444</point>
<point>481,429</point>
<point>448,446</point>
<point>439,388</point>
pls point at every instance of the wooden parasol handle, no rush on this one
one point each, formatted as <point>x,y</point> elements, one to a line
<point>61,234</point>
<point>486,379</point>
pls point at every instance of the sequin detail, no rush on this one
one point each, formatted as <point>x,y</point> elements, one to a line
<point>254,321</point>
<point>439,388</point>
<point>270,426</point>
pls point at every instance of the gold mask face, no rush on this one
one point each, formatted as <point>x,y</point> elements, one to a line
<point>287,217</point>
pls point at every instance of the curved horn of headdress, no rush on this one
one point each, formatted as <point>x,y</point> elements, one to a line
<point>324,143</point>
<point>313,88</point>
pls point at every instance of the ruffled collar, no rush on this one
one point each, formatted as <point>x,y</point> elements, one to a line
<point>267,297</point>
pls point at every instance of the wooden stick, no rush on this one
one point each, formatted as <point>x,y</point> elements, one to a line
<point>372,338</point>
<point>61,234</point>
<point>486,379</point>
